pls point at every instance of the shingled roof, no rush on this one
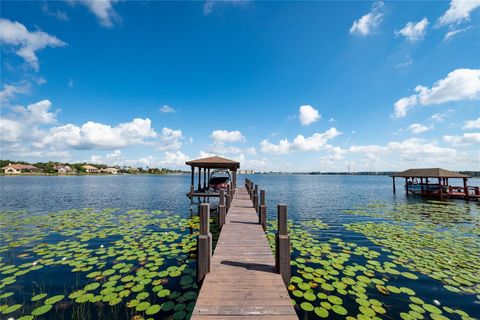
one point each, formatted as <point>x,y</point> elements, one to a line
<point>429,173</point>
<point>214,162</point>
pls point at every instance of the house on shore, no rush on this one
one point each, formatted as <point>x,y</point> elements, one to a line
<point>109,170</point>
<point>18,168</point>
<point>90,169</point>
<point>63,169</point>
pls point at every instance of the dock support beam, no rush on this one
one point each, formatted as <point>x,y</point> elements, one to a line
<point>263,211</point>
<point>222,210</point>
<point>393,182</point>
<point>282,245</point>
<point>204,243</point>
<point>465,187</point>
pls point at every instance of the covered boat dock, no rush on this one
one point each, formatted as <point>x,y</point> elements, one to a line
<point>204,166</point>
<point>434,182</point>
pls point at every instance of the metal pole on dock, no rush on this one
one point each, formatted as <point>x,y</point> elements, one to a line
<point>282,245</point>
<point>263,211</point>
<point>204,243</point>
<point>221,210</point>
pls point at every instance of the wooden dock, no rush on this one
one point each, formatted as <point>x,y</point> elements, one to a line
<point>242,283</point>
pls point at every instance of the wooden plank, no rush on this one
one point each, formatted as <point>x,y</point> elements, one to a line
<point>242,283</point>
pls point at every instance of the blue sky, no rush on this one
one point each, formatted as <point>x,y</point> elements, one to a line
<point>294,86</point>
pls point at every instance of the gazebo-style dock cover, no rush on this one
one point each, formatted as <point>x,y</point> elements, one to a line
<point>206,164</point>
<point>422,181</point>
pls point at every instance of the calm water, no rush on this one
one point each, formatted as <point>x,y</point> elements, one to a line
<point>308,197</point>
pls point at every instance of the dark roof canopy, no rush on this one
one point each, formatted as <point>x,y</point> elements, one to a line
<point>214,162</point>
<point>429,173</point>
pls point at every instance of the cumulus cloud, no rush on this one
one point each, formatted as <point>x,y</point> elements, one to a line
<point>94,135</point>
<point>414,31</point>
<point>459,11</point>
<point>308,115</point>
<point>103,10</point>
<point>313,143</point>
<point>176,159</point>
<point>170,139</point>
<point>472,124</point>
<point>166,109</point>
<point>369,23</point>
<point>227,136</point>
<point>27,43</point>
<point>466,138</point>
<point>460,84</point>
<point>417,128</point>
<point>58,14</point>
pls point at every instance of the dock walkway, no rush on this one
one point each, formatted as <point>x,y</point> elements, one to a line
<point>242,283</point>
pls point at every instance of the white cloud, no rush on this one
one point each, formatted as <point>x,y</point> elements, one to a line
<point>227,136</point>
<point>466,138</point>
<point>313,143</point>
<point>10,130</point>
<point>210,4</point>
<point>454,32</point>
<point>37,113</point>
<point>472,124</point>
<point>460,84</point>
<point>93,135</point>
<point>166,109</point>
<point>16,34</point>
<point>369,23</point>
<point>414,31</point>
<point>373,148</point>
<point>170,139</point>
<point>417,128</point>
<point>103,10</point>
<point>308,115</point>
<point>9,91</point>
<point>115,155</point>
<point>58,14</point>
<point>459,11</point>
<point>414,147</point>
<point>176,159</point>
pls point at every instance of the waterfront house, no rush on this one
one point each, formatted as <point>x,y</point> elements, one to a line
<point>110,170</point>
<point>63,169</point>
<point>18,168</point>
<point>90,169</point>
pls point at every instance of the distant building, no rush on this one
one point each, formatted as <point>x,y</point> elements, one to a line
<point>18,168</point>
<point>246,171</point>
<point>63,169</point>
<point>109,170</point>
<point>90,169</point>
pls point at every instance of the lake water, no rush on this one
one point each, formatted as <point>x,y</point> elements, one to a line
<point>418,259</point>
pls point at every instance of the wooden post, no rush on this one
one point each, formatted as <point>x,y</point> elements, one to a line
<point>427,183</point>
<point>282,246</point>
<point>465,187</point>
<point>393,182</point>
<point>222,210</point>
<point>263,211</point>
<point>234,179</point>
<point>204,243</point>
<point>199,178</point>
<point>406,186</point>
<point>255,198</point>
<point>421,184</point>
<point>229,198</point>
<point>251,191</point>
<point>192,183</point>
<point>204,179</point>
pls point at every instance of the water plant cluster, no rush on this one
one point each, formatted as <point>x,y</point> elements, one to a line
<point>407,245</point>
<point>87,264</point>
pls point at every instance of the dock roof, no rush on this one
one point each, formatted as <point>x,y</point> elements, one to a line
<point>429,173</point>
<point>214,162</point>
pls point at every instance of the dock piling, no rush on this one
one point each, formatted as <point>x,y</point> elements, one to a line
<point>204,243</point>
<point>255,198</point>
<point>263,211</point>
<point>221,209</point>
<point>282,246</point>
<point>228,198</point>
